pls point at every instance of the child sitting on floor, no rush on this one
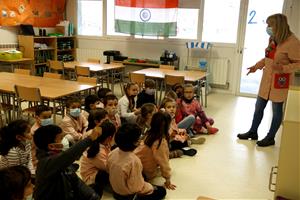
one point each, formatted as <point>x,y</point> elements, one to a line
<point>147,95</point>
<point>126,104</point>
<point>125,168</point>
<point>179,138</point>
<point>188,105</point>
<point>102,92</point>
<point>55,176</point>
<point>154,152</point>
<point>144,119</point>
<point>91,102</point>
<point>93,164</point>
<point>111,106</point>
<point>74,124</point>
<point>43,117</point>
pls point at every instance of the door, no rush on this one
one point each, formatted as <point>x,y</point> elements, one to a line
<point>254,42</point>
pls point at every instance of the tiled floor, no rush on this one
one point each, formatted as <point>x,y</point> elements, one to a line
<point>226,168</point>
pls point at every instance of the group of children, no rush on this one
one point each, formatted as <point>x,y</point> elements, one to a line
<point>122,143</point>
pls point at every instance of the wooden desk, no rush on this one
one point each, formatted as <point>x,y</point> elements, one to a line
<point>113,69</point>
<point>19,61</point>
<point>189,76</point>
<point>51,89</point>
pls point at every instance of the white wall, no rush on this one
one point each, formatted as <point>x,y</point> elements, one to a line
<point>8,35</point>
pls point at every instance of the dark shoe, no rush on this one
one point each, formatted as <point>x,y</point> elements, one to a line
<point>248,135</point>
<point>265,142</point>
<point>189,151</point>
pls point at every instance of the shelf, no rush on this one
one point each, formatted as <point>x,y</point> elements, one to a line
<point>41,63</point>
<point>48,49</point>
<point>63,50</point>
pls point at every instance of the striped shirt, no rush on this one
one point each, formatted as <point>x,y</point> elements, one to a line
<point>18,156</point>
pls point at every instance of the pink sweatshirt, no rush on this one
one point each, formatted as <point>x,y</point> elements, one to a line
<point>74,128</point>
<point>125,173</point>
<point>153,157</point>
<point>89,167</point>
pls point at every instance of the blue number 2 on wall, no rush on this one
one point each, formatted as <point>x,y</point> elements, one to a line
<point>252,15</point>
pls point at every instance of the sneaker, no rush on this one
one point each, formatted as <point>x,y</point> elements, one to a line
<point>212,130</point>
<point>189,151</point>
<point>248,135</point>
<point>198,140</point>
<point>265,142</point>
<point>175,154</point>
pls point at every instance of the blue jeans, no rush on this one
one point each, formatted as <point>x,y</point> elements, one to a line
<point>259,113</point>
<point>187,124</point>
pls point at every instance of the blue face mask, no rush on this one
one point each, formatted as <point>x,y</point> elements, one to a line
<point>45,122</point>
<point>75,112</point>
<point>269,30</point>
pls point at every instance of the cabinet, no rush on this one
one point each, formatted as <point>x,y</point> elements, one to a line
<point>42,49</point>
<point>288,177</point>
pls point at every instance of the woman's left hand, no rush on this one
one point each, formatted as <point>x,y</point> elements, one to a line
<point>277,67</point>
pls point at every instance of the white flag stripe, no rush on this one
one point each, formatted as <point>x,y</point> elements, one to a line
<point>158,15</point>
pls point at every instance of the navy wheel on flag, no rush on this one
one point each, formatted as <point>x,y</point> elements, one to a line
<point>145,15</point>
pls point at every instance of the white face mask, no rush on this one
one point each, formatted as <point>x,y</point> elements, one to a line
<point>65,143</point>
<point>150,91</point>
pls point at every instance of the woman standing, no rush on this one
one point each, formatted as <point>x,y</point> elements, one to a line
<point>282,59</point>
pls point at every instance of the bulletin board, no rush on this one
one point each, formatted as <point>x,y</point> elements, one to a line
<point>39,13</point>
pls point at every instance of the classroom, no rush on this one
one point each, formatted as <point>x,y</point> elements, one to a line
<point>150,99</point>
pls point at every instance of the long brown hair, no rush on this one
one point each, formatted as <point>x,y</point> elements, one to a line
<point>280,27</point>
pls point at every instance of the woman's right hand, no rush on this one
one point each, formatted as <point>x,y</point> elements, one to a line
<point>251,69</point>
<point>169,185</point>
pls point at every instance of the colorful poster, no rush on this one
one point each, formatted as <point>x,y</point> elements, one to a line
<point>39,13</point>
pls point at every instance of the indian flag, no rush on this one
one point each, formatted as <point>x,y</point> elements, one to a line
<point>146,17</point>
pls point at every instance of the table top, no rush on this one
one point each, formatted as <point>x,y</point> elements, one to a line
<point>50,88</point>
<point>17,60</point>
<point>189,76</point>
<point>95,67</point>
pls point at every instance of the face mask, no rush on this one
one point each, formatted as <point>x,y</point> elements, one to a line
<point>75,112</point>
<point>112,111</point>
<point>269,30</point>
<point>99,105</point>
<point>65,143</point>
<point>45,122</point>
<point>150,91</point>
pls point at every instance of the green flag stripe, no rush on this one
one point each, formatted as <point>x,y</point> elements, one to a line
<point>147,29</point>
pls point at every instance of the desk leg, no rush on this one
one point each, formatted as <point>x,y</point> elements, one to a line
<point>12,68</point>
<point>161,88</point>
<point>113,81</point>
<point>54,112</point>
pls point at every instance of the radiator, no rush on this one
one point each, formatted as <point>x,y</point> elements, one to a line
<point>84,54</point>
<point>218,68</point>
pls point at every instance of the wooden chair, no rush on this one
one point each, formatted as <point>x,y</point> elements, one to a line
<point>22,71</point>
<point>31,95</point>
<point>6,107</point>
<point>88,80</point>
<point>56,66</point>
<point>171,80</point>
<point>82,71</point>
<point>94,60</point>
<point>170,67</point>
<point>138,79</point>
<point>52,75</point>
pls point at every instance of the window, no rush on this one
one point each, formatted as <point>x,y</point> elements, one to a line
<point>187,23</point>
<point>221,21</point>
<point>90,17</point>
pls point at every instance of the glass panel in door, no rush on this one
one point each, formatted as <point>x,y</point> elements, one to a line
<point>256,40</point>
